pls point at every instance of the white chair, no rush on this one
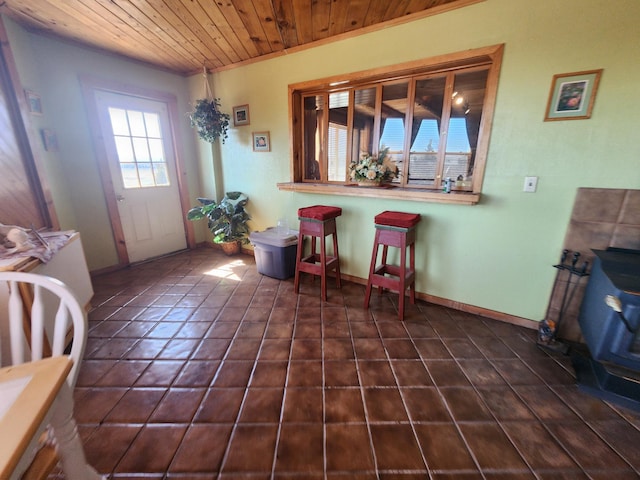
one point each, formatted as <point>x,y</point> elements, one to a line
<point>43,316</point>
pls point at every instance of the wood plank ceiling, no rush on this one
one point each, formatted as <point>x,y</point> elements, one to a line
<point>183,36</point>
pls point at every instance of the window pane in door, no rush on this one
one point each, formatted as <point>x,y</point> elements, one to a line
<point>129,173</point>
<point>155,149</point>
<point>119,122</point>
<point>136,123</point>
<point>141,150</point>
<point>124,150</point>
<point>145,171</point>
<point>151,121</point>
<point>160,174</point>
<point>138,141</point>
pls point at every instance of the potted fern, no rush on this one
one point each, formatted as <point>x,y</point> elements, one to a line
<point>226,220</point>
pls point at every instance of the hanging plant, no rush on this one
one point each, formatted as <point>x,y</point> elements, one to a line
<point>207,118</point>
<point>209,121</point>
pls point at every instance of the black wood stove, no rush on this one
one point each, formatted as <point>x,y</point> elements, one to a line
<point>610,322</point>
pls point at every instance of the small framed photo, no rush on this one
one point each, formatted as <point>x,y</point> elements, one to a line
<point>240,115</point>
<point>49,139</point>
<point>34,103</point>
<point>261,142</point>
<point>572,95</point>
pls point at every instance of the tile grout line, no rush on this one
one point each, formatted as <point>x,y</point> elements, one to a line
<point>539,420</point>
<point>145,423</point>
<point>448,407</point>
<point>215,376</point>
<point>362,396</point>
<point>552,388</point>
<point>284,392</point>
<point>484,402</point>
<point>402,397</point>
<point>191,422</point>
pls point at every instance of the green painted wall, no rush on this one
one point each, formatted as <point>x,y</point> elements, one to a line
<point>498,254</point>
<point>51,68</point>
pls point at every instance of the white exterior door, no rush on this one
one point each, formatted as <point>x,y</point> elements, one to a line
<point>142,166</point>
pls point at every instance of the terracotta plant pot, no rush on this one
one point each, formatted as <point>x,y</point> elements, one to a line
<point>230,248</point>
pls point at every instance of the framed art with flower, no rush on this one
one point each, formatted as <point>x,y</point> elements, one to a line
<point>261,142</point>
<point>572,95</point>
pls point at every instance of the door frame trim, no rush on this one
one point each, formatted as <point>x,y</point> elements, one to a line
<point>89,85</point>
<point>26,138</point>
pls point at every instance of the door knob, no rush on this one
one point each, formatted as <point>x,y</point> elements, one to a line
<point>120,198</point>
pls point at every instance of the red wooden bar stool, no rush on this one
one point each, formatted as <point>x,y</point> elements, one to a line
<point>317,222</point>
<point>394,229</point>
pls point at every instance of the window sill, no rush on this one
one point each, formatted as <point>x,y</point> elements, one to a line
<point>393,193</point>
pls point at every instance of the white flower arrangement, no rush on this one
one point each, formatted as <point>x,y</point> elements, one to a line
<point>378,169</point>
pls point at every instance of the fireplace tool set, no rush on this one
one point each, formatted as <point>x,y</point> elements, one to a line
<point>548,329</point>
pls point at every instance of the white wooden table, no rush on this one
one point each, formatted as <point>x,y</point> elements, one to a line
<point>33,395</point>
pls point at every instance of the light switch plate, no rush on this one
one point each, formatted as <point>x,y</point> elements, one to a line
<point>530,184</point>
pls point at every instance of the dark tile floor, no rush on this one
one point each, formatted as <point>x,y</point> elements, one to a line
<point>198,367</point>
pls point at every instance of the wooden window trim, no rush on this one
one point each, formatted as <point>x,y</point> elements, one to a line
<point>392,193</point>
<point>486,55</point>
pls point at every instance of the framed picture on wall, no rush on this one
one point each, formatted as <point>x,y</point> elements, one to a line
<point>572,95</point>
<point>240,115</point>
<point>49,140</point>
<point>261,142</point>
<point>34,103</point>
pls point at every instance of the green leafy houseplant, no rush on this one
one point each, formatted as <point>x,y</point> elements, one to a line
<point>226,220</point>
<point>209,121</point>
